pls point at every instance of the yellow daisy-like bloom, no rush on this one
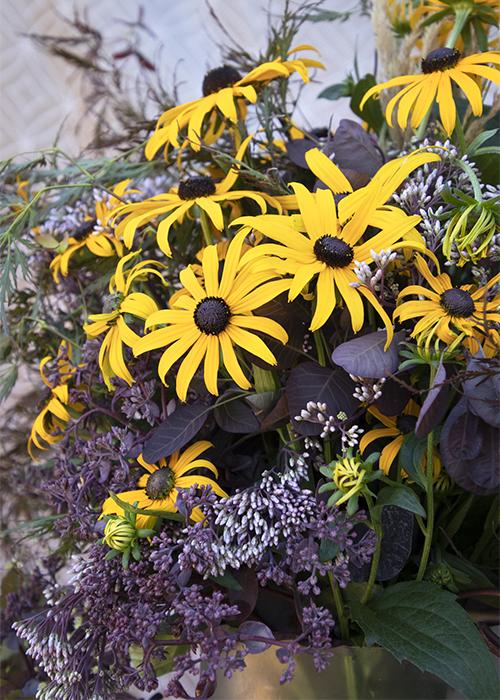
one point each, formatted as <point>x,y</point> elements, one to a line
<point>395,427</point>
<point>348,476</point>
<point>325,244</point>
<point>48,426</point>
<point>439,69</point>
<point>159,488</point>
<point>200,191</point>
<point>214,316</point>
<point>225,94</point>
<point>96,234</point>
<point>113,324</point>
<point>450,314</point>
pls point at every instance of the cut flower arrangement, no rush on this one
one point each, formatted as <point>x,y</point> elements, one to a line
<point>268,404</point>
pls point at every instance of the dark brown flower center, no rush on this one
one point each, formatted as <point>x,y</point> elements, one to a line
<point>160,483</point>
<point>212,315</point>
<point>440,59</point>
<point>406,424</point>
<point>457,302</point>
<point>332,251</point>
<point>84,229</point>
<point>195,187</point>
<point>219,78</point>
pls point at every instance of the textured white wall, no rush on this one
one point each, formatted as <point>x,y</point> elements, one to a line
<point>39,92</point>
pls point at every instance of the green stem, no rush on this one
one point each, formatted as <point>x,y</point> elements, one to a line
<point>461,17</point>
<point>350,678</point>
<point>376,554</point>
<point>455,523</point>
<point>205,227</point>
<point>339,607</point>
<point>459,133</point>
<point>429,530</point>
<point>320,349</point>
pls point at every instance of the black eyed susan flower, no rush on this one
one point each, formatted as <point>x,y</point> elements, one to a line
<point>159,487</point>
<point>395,427</point>
<point>48,426</point>
<point>440,68</point>
<point>112,322</point>
<point>96,234</point>
<point>200,191</point>
<point>225,93</point>
<point>325,244</point>
<point>348,477</point>
<point>451,314</point>
<point>213,316</point>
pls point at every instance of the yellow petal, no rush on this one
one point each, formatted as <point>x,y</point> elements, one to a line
<point>189,366</point>
<point>327,172</point>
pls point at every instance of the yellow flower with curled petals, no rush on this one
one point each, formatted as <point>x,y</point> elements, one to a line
<point>395,427</point>
<point>113,324</point>
<point>440,69</point>
<point>225,94</point>
<point>159,487</point>
<point>214,315</point>
<point>201,191</point>
<point>453,315</point>
<point>326,242</point>
<point>48,426</point>
<point>96,234</point>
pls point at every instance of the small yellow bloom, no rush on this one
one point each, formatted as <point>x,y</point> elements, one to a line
<point>119,534</point>
<point>225,94</point>
<point>439,69</point>
<point>96,234</point>
<point>348,476</point>
<point>113,324</point>
<point>159,488</point>
<point>451,314</point>
<point>212,316</point>
<point>202,192</point>
<point>395,427</point>
<point>48,427</point>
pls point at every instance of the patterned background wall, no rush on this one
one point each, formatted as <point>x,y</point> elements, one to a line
<point>41,96</point>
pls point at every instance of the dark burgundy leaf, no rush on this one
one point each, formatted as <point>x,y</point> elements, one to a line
<point>297,149</point>
<point>255,629</point>
<point>246,598</point>
<point>175,432</point>
<point>394,396</point>
<point>397,540</point>
<point>469,450</point>
<point>310,382</point>
<point>396,545</point>
<point>365,356</point>
<point>483,392</point>
<point>435,404</point>
<point>277,416</point>
<point>293,317</point>
<point>235,416</point>
<point>355,149</point>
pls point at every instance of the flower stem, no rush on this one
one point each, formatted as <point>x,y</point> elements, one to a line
<point>320,349</point>
<point>339,607</point>
<point>429,530</point>
<point>205,227</point>
<point>461,17</point>
<point>376,554</point>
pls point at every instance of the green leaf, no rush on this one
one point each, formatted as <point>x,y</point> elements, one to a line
<point>371,112</point>
<point>334,92</point>
<point>401,496</point>
<point>410,458</point>
<point>128,508</point>
<point>227,580</point>
<point>421,623</point>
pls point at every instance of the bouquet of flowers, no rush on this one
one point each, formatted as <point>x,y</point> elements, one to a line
<point>268,396</point>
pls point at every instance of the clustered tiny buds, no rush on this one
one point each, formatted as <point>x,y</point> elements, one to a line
<point>317,412</point>
<point>366,390</point>
<point>364,273</point>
